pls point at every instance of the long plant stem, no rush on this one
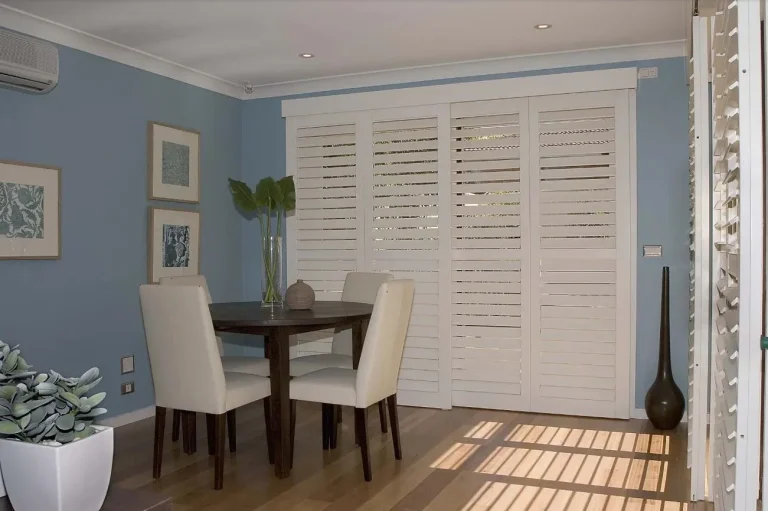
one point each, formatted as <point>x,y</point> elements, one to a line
<point>270,258</point>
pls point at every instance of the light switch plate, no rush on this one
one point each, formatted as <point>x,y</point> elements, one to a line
<point>126,364</point>
<point>127,388</point>
<point>651,250</point>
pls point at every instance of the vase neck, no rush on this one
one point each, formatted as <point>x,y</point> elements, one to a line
<point>665,362</point>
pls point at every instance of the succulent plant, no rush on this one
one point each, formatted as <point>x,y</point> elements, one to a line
<point>40,407</point>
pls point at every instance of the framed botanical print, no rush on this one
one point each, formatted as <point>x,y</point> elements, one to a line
<point>174,163</point>
<point>174,243</point>
<point>30,210</point>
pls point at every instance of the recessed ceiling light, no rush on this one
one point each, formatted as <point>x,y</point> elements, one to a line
<point>542,26</point>
<point>306,55</point>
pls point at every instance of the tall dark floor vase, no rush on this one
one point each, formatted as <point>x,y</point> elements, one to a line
<point>664,403</point>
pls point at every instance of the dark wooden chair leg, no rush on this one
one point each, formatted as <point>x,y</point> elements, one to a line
<point>361,421</point>
<point>210,426</point>
<point>189,426</point>
<point>326,426</point>
<point>268,426</point>
<point>293,428</point>
<point>157,458</point>
<point>218,476</point>
<point>176,425</point>
<point>184,432</point>
<point>338,414</point>
<point>334,440</point>
<point>395,423</point>
<point>383,416</point>
<point>232,430</point>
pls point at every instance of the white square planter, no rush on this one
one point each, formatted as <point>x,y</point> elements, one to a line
<point>70,477</point>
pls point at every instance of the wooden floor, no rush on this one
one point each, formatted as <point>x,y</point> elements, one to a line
<point>462,460</point>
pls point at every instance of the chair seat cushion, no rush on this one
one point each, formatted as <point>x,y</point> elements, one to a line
<point>303,365</point>
<point>249,365</point>
<point>245,388</point>
<point>333,385</point>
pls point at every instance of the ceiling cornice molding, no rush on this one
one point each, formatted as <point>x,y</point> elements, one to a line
<point>36,26</point>
<point>487,67</point>
<point>42,28</point>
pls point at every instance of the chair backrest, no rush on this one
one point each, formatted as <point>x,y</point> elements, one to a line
<point>359,287</point>
<point>384,342</point>
<point>188,280</point>
<point>193,280</point>
<point>185,363</point>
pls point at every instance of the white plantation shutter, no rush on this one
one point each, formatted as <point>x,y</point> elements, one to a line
<point>699,309</point>
<point>580,199</point>
<point>489,263</point>
<point>325,244</point>
<point>512,216</point>
<point>404,240</point>
<point>737,258</point>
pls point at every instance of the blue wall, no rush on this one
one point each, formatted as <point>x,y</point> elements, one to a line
<point>83,310</point>
<point>662,188</point>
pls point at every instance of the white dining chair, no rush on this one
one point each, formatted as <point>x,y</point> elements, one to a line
<point>187,371</point>
<point>376,376</point>
<point>231,364</point>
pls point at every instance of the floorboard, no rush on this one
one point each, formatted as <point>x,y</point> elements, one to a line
<point>457,460</point>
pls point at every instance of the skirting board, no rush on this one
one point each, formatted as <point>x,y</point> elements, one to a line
<point>130,417</point>
<point>145,413</point>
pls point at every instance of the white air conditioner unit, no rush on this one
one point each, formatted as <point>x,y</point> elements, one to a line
<point>27,64</point>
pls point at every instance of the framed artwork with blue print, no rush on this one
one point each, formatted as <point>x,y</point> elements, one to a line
<point>30,199</point>
<point>174,243</point>
<point>174,163</point>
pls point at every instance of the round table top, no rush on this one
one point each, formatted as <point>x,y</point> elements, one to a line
<point>252,314</point>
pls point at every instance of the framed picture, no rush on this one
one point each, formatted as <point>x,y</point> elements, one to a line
<point>174,243</point>
<point>174,163</point>
<point>30,210</point>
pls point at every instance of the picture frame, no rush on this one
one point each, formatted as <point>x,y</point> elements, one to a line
<point>173,243</point>
<point>30,211</point>
<point>173,157</point>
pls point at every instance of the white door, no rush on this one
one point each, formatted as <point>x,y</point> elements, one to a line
<point>489,254</point>
<point>580,254</point>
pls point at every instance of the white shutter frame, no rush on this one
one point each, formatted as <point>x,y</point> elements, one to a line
<point>701,222</point>
<point>751,252</point>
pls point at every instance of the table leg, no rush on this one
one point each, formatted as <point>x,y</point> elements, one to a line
<point>277,348</point>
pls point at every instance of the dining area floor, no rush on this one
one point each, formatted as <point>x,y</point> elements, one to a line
<point>457,460</point>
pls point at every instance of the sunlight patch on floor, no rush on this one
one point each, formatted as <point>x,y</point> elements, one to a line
<point>455,456</point>
<point>498,496</point>
<point>590,439</point>
<point>587,469</point>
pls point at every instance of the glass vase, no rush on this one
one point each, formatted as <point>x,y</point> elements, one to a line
<point>272,291</point>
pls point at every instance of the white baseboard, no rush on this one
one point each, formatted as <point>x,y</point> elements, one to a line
<point>130,417</point>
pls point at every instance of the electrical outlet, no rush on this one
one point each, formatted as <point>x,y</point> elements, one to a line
<point>127,388</point>
<point>647,72</point>
<point>126,364</point>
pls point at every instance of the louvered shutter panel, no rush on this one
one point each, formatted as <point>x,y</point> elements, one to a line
<point>403,231</point>
<point>580,252</point>
<point>737,287</point>
<point>327,237</point>
<point>699,304</point>
<point>489,274</point>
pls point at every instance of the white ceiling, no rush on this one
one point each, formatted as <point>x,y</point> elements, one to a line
<point>258,41</point>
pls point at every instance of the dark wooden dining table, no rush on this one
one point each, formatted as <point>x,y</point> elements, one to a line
<point>276,324</point>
